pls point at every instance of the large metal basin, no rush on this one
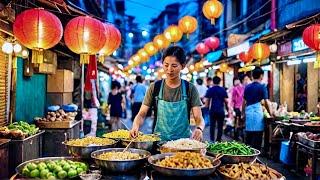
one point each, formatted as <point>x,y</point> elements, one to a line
<point>181,172</point>
<point>120,165</point>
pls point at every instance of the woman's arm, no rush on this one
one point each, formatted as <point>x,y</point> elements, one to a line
<point>138,120</point>
<point>197,114</point>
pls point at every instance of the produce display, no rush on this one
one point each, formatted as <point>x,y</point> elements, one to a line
<point>249,171</point>
<point>311,136</point>
<point>312,124</point>
<point>119,156</point>
<point>230,148</point>
<point>184,143</point>
<point>186,160</point>
<point>59,115</point>
<point>119,134</point>
<point>90,141</point>
<point>315,118</point>
<point>54,169</point>
<point>18,130</point>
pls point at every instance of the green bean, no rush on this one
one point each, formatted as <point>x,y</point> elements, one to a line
<point>233,148</point>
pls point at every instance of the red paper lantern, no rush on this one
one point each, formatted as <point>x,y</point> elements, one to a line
<point>245,57</point>
<point>113,41</point>
<point>202,49</point>
<point>37,29</point>
<point>259,51</point>
<point>84,35</point>
<point>212,42</point>
<point>311,37</point>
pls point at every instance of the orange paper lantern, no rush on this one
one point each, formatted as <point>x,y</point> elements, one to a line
<point>143,55</point>
<point>113,41</point>
<point>224,67</point>
<point>37,29</point>
<point>150,48</point>
<point>160,41</point>
<point>212,9</point>
<point>259,51</point>
<point>245,57</point>
<point>173,33</point>
<point>84,35</point>
<point>188,25</point>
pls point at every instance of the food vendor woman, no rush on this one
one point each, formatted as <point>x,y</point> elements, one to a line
<point>172,99</point>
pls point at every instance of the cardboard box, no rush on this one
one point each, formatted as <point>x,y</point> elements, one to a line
<point>60,82</point>
<point>45,68</point>
<point>59,98</point>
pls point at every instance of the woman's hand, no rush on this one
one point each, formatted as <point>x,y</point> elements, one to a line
<point>134,132</point>
<point>197,135</point>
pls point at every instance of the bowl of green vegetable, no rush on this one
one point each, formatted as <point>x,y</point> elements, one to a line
<point>233,152</point>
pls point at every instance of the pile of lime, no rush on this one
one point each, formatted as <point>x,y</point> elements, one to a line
<point>54,169</point>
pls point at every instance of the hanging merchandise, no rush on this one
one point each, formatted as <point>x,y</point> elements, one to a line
<point>143,55</point>
<point>245,57</point>
<point>224,67</point>
<point>37,29</point>
<point>113,41</point>
<point>202,49</point>
<point>161,42</point>
<point>214,56</point>
<point>173,33</point>
<point>150,48</point>
<point>188,25</point>
<point>84,35</point>
<point>311,37</point>
<point>212,9</point>
<point>212,42</point>
<point>259,51</point>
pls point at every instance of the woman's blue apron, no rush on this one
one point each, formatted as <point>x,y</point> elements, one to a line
<point>172,117</point>
<point>254,117</point>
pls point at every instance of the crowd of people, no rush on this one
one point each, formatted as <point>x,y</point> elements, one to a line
<point>170,101</point>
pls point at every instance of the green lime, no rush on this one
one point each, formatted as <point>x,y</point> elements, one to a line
<point>66,167</point>
<point>57,169</point>
<point>80,170</point>
<point>43,173</point>
<point>72,173</point>
<point>42,164</point>
<point>31,166</point>
<point>49,174</point>
<point>52,178</point>
<point>84,166</point>
<point>25,172</point>
<point>62,174</point>
<point>34,173</point>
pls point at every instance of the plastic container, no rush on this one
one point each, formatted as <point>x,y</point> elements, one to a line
<point>285,153</point>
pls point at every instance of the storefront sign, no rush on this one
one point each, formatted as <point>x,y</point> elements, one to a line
<point>298,45</point>
<point>285,49</point>
<point>243,47</point>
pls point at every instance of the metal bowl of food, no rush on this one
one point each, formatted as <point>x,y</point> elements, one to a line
<point>120,164</point>
<point>182,145</point>
<point>84,150</point>
<point>180,171</point>
<point>145,142</point>
<point>235,159</point>
<point>53,166</point>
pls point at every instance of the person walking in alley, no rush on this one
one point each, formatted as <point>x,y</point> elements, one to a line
<point>137,94</point>
<point>237,101</point>
<point>254,94</point>
<point>116,102</point>
<point>215,99</point>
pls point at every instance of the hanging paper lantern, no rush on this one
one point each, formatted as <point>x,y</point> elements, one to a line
<point>150,48</point>
<point>173,33</point>
<point>273,48</point>
<point>37,29</point>
<point>245,57</point>
<point>136,58</point>
<point>259,51</point>
<point>212,9</point>
<point>113,41</point>
<point>311,37</point>
<point>84,35</point>
<point>224,67</point>
<point>143,55</point>
<point>202,49</point>
<point>212,42</point>
<point>160,42</point>
<point>188,25</point>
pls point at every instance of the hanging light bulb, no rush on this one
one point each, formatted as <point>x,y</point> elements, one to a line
<point>17,48</point>
<point>7,48</point>
<point>25,54</point>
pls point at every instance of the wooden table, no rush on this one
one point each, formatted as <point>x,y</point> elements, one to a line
<point>315,153</point>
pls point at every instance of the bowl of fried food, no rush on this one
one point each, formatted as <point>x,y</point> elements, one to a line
<point>82,148</point>
<point>182,145</point>
<point>144,141</point>
<point>120,134</point>
<point>118,160</point>
<point>184,164</point>
<point>249,171</point>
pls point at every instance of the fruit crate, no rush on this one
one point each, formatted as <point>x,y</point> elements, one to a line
<point>4,158</point>
<point>309,142</point>
<point>24,150</point>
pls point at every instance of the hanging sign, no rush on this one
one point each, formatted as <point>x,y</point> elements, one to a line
<point>298,45</point>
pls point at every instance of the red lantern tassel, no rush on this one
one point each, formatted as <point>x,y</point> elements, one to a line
<point>101,59</point>
<point>84,58</point>
<point>37,56</point>
<point>212,21</point>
